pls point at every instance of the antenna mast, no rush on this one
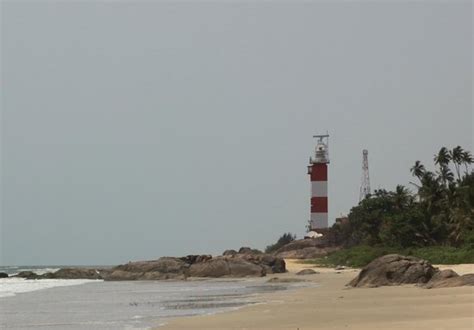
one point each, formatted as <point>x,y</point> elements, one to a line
<point>365,184</point>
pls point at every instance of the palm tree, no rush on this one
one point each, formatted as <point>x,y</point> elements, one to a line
<point>418,169</point>
<point>402,197</point>
<point>457,155</point>
<point>467,159</point>
<point>442,158</point>
<point>446,175</point>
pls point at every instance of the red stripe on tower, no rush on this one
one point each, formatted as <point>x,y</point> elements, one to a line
<point>318,171</point>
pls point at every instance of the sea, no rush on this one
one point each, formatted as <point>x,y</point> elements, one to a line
<point>95,304</point>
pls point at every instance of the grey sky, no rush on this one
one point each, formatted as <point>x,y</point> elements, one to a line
<point>136,130</point>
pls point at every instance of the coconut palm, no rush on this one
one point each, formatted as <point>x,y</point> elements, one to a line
<point>418,169</point>
<point>446,175</point>
<point>402,197</point>
<point>467,159</point>
<point>442,158</point>
<point>457,157</point>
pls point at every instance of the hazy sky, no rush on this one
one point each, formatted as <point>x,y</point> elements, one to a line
<point>137,130</point>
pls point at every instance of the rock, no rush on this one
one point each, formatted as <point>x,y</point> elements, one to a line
<point>307,271</point>
<point>309,248</point>
<point>229,253</point>
<point>338,267</point>
<point>29,275</point>
<point>443,274</point>
<point>271,263</point>
<point>241,268</point>
<point>3,275</point>
<point>285,280</point>
<point>210,268</point>
<point>225,266</point>
<point>74,273</point>
<point>247,250</point>
<point>203,257</point>
<point>162,265</point>
<point>123,275</point>
<point>163,268</point>
<point>394,269</point>
<point>451,281</point>
<point>191,259</point>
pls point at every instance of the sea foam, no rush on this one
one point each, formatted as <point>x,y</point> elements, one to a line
<point>9,287</point>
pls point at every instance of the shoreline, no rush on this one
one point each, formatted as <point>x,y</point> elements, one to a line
<point>330,305</point>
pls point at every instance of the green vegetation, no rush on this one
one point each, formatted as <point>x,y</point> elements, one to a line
<point>359,256</point>
<point>435,223</point>
<point>283,240</point>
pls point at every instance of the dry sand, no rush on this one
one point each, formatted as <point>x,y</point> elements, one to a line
<point>332,306</point>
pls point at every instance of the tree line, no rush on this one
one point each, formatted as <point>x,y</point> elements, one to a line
<point>439,211</point>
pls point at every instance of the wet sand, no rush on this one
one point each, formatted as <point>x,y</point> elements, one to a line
<point>333,306</point>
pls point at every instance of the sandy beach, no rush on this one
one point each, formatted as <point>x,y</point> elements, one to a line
<point>331,305</point>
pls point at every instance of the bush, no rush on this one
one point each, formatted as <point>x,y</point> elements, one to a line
<point>360,256</point>
<point>282,241</point>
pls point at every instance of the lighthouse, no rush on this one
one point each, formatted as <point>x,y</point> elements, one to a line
<point>318,173</point>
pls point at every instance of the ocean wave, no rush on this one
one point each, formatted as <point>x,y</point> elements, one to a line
<point>9,287</point>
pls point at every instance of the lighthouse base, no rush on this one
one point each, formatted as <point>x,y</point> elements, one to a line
<point>319,220</point>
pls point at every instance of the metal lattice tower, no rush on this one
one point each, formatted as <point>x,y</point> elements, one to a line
<point>365,183</point>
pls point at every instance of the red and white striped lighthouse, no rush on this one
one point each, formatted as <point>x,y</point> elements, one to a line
<point>318,172</point>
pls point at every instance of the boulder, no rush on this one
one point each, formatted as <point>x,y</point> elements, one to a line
<point>123,275</point>
<point>161,269</point>
<point>308,248</point>
<point>29,275</point>
<point>3,275</point>
<point>241,268</point>
<point>443,281</point>
<point>307,271</point>
<point>443,274</point>
<point>210,268</point>
<point>394,269</point>
<point>271,263</point>
<point>229,253</point>
<point>191,259</point>
<point>163,265</point>
<point>247,250</point>
<point>223,266</point>
<point>74,273</point>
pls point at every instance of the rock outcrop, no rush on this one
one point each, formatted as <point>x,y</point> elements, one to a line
<point>394,269</point>
<point>308,248</point>
<point>449,279</point>
<point>229,253</point>
<point>74,273</point>
<point>247,263</point>
<point>307,271</point>
<point>3,275</point>
<point>29,275</point>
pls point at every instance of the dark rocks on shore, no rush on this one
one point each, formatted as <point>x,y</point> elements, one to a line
<point>75,273</point>
<point>450,281</point>
<point>308,248</point>
<point>3,275</point>
<point>230,265</point>
<point>247,250</point>
<point>245,262</point>
<point>307,271</point>
<point>394,269</point>
<point>29,275</point>
<point>229,253</point>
